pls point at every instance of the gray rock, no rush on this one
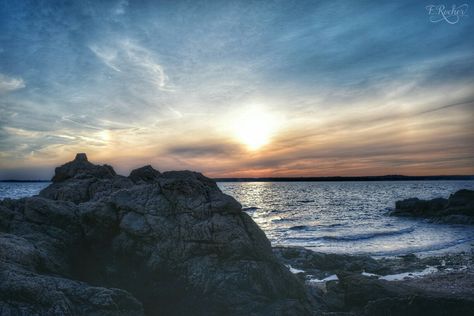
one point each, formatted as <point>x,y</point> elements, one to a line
<point>80,181</point>
<point>174,241</point>
<point>323,264</point>
<point>370,296</point>
<point>80,167</point>
<point>458,209</point>
<point>144,175</point>
<point>27,286</point>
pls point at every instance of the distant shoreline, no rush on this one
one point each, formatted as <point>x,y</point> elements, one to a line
<point>341,179</point>
<point>318,179</point>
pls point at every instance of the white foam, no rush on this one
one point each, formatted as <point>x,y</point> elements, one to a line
<point>332,277</point>
<point>293,270</point>
<point>404,275</point>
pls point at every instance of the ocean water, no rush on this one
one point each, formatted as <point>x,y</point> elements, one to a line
<point>16,190</point>
<point>336,217</point>
<point>350,217</point>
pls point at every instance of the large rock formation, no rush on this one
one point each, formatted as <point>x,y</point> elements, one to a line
<point>459,208</point>
<point>96,243</point>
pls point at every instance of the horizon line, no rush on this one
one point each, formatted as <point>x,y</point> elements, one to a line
<point>394,177</point>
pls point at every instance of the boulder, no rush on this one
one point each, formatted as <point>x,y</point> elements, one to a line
<point>96,243</point>
<point>80,167</point>
<point>458,209</point>
<point>370,296</point>
<point>144,175</point>
<point>79,181</point>
<point>461,203</point>
<point>323,264</point>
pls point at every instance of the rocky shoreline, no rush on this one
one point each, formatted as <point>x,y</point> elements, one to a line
<point>97,243</point>
<point>405,285</point>
<point>457,209</point>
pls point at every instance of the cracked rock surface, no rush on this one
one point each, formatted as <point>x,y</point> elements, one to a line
<point>97,243</point>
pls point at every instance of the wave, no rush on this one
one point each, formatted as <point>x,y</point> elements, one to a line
<point>421,249</point>
<point>363,236</point>
<point>316,227</point>
<point>298,227</point>
<point>250,209</point>
<point>305,201</point>
<point>354,237</point>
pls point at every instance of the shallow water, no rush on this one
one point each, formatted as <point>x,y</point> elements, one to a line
<point>350,217</point>
<point>338,217</point>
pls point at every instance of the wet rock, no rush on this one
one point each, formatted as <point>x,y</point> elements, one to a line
<point>459,208</point>
<point>420,305</point>
<point>358,293</point>
<point>461,203</point>
<point>417,207</point>
<point>370,296</point>
<point>172,243</point>
<point>323,264</point>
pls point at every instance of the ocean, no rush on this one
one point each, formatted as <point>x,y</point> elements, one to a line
<point>336,217</point>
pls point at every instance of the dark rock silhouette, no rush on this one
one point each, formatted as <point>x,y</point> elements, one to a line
<point>370,296</point>
<point>144,174</point>
<point>96,243</point>
<point>458,208</point>
<point>80,167</point>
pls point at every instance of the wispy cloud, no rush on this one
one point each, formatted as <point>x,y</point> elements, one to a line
<point>359,88</point>
<point>8,84</point>
<point>126,56</point>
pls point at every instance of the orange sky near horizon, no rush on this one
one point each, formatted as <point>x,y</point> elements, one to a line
<point>236,89</point>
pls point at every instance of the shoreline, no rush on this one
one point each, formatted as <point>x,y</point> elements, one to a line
<point>336,279</point>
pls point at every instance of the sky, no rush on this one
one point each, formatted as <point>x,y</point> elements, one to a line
<point>237,88</point>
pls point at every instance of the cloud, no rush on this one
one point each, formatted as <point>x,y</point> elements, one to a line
<point>357,85</point>
<point>8,84</point>
<point>208,149</point>
<point>134,60</point>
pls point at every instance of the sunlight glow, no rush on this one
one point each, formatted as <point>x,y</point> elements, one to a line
<point>254,127</point>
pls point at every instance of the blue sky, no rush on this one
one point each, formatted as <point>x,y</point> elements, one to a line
<point>333,87</point>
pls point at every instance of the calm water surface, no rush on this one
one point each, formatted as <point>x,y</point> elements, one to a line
<point>350,217</point>
<point>339,217</point>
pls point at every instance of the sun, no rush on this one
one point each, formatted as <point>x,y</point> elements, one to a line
<point>254,127</point>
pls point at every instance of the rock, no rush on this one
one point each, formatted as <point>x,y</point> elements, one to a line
<point>420,305</point>
<point>323,264</point>
<point>25,288</point>
<point>461,203</point>
<point>458,209</point>
<point>416,207</point>
<point>358,293</point>
<point>144,175</point>
<point>96,243</point>
<point>359,289</point>
<point>370,296</point>
<point>80,181</point>
<point>80,167</point>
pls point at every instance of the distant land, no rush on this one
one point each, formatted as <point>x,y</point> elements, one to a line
<point>320,179</point>
<point>334,179</point>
